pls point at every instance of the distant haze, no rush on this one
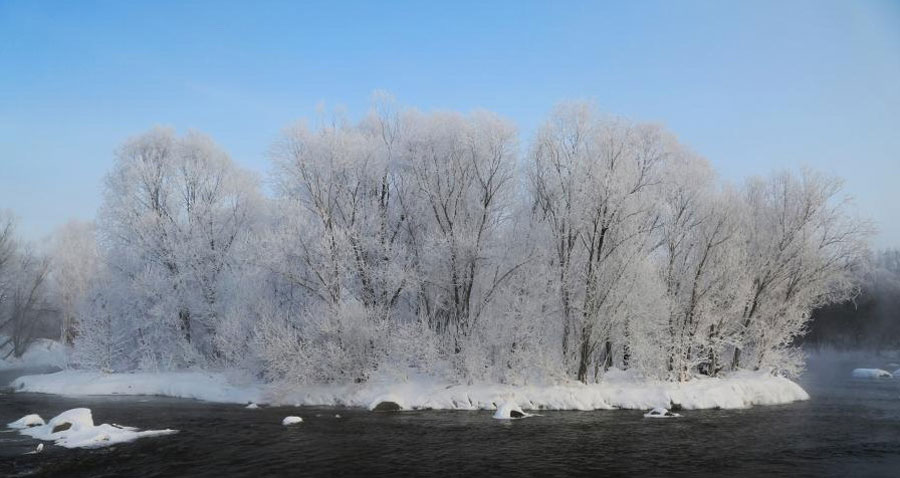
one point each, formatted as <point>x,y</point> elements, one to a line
<point>754,87</point>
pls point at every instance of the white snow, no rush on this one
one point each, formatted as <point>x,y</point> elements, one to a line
<point>660,412</point>
<point>291,420</point>
<point>505,410</point>
<point>211,387</point>
<point>871,373</point>
<point>32,420</point>
<point>82,433</point>
<point>252,406</point>
<point>617,390</point>
<point>41,353</point>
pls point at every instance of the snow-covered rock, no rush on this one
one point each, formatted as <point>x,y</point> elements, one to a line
<point>871,373</point>
<point>660,412</point>
<point>509,410</point>
<point>75,429</point>
<point>291,420</point>
<point>27,421</point>
<point>385,406</point>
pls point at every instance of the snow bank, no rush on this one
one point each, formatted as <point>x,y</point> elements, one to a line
<point>871,373</point>
<point>211,387</point>
<point>618,390</point>
<point>75,429</point>
<point>291,420</point>
<point>41,353</point>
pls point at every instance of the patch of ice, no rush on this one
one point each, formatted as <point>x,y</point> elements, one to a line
<point>291,420</point>
<point>871,373</point>
<point>75,429</point>
<point>252,406</point>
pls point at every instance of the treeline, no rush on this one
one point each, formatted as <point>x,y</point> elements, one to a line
<point>428,243</point>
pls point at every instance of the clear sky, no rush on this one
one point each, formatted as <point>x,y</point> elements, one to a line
<point>753,86</point>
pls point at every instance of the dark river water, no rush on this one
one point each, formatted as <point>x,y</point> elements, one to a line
<point>848,428</point>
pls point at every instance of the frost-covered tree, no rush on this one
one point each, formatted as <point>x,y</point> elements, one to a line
<point>701,260</point>
<point>592,183</point>
<point>76,262</point>
<point>460,171</point>
<point>418,243</point>
<point>804,247</point>
<point>174,210</point>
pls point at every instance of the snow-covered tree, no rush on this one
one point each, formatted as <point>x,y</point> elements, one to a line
<point>592,183</point>
<point>174,209</point>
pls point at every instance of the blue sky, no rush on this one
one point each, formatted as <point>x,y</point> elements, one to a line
<point>753,86</point>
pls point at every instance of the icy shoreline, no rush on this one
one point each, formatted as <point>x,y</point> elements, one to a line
<point>618,391</point>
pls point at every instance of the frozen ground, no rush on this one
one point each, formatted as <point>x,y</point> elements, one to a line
<point>618,390</point>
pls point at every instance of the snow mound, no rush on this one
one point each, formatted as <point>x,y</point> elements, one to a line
<point>291,420</point>
<point>660,412</point>
<point>252,406</point>
<point>75,429</point>
<point>509,411</point>
<point>871,373</point>
<point>27,421</point>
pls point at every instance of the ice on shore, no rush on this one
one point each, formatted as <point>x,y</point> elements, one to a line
<point>75,429</point>
<point>871,373</point>
<point>291,420</point>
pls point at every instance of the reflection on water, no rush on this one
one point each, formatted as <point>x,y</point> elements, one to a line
<point>847,429</point>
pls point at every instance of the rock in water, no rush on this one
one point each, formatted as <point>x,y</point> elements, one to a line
<point>61,427</point>
<point>387,406</point>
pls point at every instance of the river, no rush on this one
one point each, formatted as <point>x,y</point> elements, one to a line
<point>847,428</point>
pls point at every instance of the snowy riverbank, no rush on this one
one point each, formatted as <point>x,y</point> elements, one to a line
<point>618,390</point>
